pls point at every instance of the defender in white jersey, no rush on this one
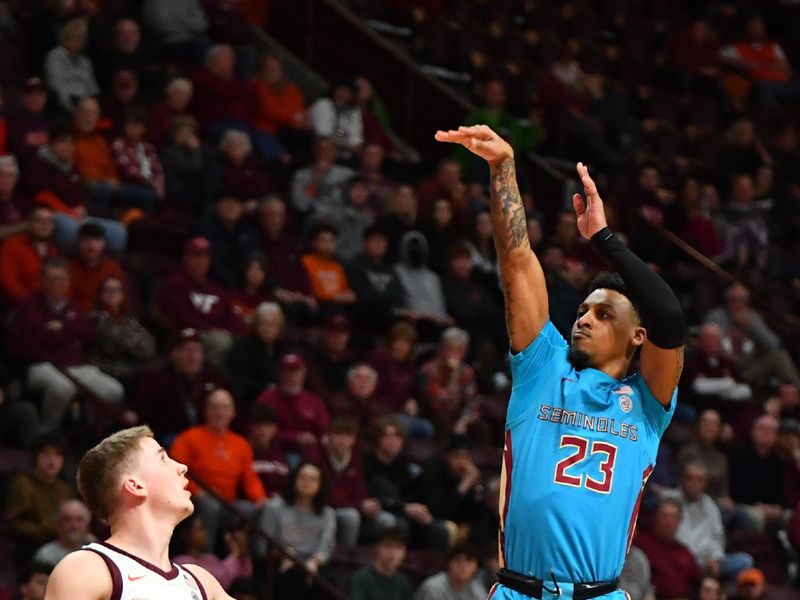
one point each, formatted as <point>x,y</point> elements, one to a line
<point>129,480</point>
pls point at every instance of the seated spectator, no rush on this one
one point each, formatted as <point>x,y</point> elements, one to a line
<point>221,102</point>
<point>90,267</point>
<point>562,292</point>
<point>441,230</point>
<point>448,485</point>
<point>227,470</point>
<point>756,480</point>
<point>189,299</point>
<point>375,117</point>
<point>32,499</point>
<point>126,52</point>
<point>391,479</point>
<point>374,282</point>
<point>54,335</point>
<point>447,384</point>
<point>749,341</point>
<point>710,588</point>
<point>710,375</point>
<point>746,238</point>
<point>457,582</point>
<point>674,570</point>
<point>481,246</point>
<point>303,418</point>
<point>332,358</point>
<point>321,183</point>
<point>257,286</point>
<point>253,361</point>
<point>703,449</point>
<point>22,255</point>
<point>379,184</point>
<point>269,459</point>
<point>694,51</point>
<point>701,529</point>
<point>448,185</point>
<point>471,305</point>
<point>350,219</point>
<point>339,119</point>
<point>95,162</point>
<point>398,383</point>
<point>283,253</point>
<point>68,72</point>
<point>382,579</point>
<point>193,541</point>
<point>243,175</point>
<point>326,274</point>
<point>19,422</point>
<point>180,27</point>
<point>170,398</point>
<point>136,160</point>
<point>177,98</point>
<point>303,522</point>
<point>14,209</point>
<point>32,581</point>
<point>278,105</point>
<point>400,220</point>
<point>124,346</point>
<point>358,400</point>
<point>73,533</point>
<point>763,61</point>
<point>751,585</point>
<point>231,238</point>
<point>345,475</point>
<point>192,176</point>
<point>53,181</point>
<point>424,301</point>
<point>121,95</point>
<point>635,576</point>
<point>29,128</point>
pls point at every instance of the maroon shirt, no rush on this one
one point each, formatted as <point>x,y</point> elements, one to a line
<point>272,466</point>
<point>218,99</point>
<point>64,346</point>
<point>674,571</point>
<point>199,304</point>
<point>396,380</point>
<point>42,175</point>
<point>304,412</point>
<point>348,487</point>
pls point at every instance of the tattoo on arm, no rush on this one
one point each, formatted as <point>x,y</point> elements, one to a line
<point>508,212</point>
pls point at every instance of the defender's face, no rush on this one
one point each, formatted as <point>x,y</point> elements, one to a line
<point>606,327</point>
<point>164,479</point>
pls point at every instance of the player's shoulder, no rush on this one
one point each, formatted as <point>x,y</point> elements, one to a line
<point>211,586</point>
<point>83,575</point>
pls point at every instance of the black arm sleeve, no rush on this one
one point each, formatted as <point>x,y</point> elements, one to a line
<point>657,304</point>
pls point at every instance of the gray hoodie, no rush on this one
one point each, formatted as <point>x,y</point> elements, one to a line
<point>422,287</point>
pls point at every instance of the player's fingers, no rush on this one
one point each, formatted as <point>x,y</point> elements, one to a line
<point>480,131</point>
<point>578,205</point>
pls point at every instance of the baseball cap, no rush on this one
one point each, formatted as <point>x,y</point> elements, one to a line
<point>33,83</point>
<point>292,361</point>
<point>337,322</point>
<point>751,577</point>
<point>188,334</point>
<point>196,246</point>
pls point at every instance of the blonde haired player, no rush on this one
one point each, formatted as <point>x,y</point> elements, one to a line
<point>129,480</point>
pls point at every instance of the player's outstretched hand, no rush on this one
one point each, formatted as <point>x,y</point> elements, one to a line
<point>480,140</point>
<point>591,215</point>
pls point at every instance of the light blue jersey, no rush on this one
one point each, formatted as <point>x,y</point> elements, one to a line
<point>579,448</point>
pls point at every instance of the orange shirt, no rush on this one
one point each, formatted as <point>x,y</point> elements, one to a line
<point>21,266</point>
<point>93,157</point>
<point>276,109</point>
<point>222,460</point>
<point>326,276</point>
<point>86,281</point>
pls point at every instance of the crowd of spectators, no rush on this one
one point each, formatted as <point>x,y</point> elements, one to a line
<point>188,242</point>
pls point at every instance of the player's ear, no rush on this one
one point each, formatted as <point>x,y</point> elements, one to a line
<point>134,486</point>
<point>639,335</point>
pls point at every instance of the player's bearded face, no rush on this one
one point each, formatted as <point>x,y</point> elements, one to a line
<point>602,331</point>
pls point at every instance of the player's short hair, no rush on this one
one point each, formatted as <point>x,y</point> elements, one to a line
<point>613,281</point>
<point>102,467</point>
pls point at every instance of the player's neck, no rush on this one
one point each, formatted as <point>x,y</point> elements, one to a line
<point>616,368</point>
<point>145,537</point>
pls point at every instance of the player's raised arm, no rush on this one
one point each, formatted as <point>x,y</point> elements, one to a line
<point>523,281</point>
<point>661,360</point>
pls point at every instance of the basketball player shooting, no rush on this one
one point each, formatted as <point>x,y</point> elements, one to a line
<point>129,480</point>
<point>581,435</point>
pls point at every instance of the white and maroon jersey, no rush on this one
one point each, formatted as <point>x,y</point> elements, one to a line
<point>137,579</point>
